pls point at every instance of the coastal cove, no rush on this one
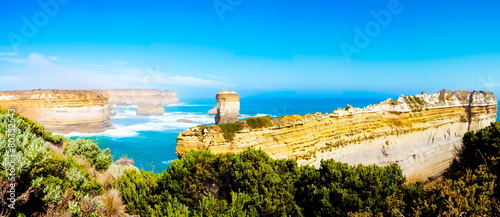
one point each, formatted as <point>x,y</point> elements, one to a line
<point>151,140</point>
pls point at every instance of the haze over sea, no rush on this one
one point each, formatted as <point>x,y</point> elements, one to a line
<point>150,141</point>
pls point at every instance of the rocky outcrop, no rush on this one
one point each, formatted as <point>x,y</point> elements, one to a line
<point>150,110</point>
<point>141,97</point>
<point>227,108</point>
<point>61,111</point>
<point>420,133</point>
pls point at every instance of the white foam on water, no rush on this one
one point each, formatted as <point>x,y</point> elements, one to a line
<point>167,162</point>
<point>117,133</point>
<point>168,121</point>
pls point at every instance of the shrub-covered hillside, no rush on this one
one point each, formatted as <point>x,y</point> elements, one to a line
<point>50,175</point>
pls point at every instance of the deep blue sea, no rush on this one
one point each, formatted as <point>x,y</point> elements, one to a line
<point>150,141</point>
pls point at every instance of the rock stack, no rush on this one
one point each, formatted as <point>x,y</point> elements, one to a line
<point>227,108</point>
<point>150,110</point>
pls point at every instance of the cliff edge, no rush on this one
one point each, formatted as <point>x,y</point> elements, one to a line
<point>61,111</point>
<point>419,132</point>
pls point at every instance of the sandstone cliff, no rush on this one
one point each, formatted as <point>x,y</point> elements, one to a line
<point>141,97</point>
<point>150,110</point>
<point>61,111</point>
<point>227,108</point>
<point>419,132</point>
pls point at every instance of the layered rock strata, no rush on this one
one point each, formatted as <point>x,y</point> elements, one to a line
<point>141,97</point>
<point>61,111</point>
<point>227,108</point>
<point>150,110</point>
<point>420,133</point>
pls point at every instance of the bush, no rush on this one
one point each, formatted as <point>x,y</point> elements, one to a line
<point>47,184</point>
<point>260,122</point>
<point>229,130</point>
<point>90,151</point>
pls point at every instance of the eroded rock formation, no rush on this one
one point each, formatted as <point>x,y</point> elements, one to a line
<point>61,111</point>
<point>227,108</point>
<point>150,110</point>
<point>141,97</point>
<point>419,132</point>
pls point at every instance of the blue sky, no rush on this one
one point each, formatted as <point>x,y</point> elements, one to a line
<point>252,46</point>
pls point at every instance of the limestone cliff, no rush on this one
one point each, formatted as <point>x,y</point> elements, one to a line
<point>227,108</point>
<point>419,132</point>
<point>61,111</point>
<point>141,97</point>
<point>150,110</point>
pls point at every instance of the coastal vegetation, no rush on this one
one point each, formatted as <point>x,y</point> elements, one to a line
<point>229,129</point>
<point>40,179</point>
<point>55,176</point>
<point>259,122</point>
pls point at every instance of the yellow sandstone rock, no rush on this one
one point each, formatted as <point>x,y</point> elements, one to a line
<point>61,111</point>
<point>150,110</point>
<point>227,108</point>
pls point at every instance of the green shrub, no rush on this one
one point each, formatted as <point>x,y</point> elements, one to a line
<point>90,151</point>
<point>260,122</point>
<point>229,130</point>
<point>49,184</point>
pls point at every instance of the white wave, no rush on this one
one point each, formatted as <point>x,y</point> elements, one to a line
<point>124,114</point>
<point>167,162</point>
<point>117,133</point>
<point>169,121</point>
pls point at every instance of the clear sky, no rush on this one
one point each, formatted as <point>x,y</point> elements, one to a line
<point>252,46</point>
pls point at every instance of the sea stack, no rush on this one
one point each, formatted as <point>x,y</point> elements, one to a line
<point>150,110</point>
<point>227,108</point>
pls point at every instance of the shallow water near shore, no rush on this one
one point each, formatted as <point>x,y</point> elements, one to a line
<point>151,141</point>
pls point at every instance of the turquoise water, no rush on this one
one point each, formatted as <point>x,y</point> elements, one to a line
<point>150,141</point>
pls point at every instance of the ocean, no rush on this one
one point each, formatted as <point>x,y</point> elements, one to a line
<point>150,141</point>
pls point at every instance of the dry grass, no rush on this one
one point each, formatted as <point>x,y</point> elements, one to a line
<point>113,203</point>
<point>57,150</point>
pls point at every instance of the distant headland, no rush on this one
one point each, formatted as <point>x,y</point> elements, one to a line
<point>86,111</point>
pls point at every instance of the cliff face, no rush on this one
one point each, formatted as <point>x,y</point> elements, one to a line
<point>227,108</point>
<point>419,132</point>
<point>141,97</point>
<point>61,111</point>
<point>150,110</point>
